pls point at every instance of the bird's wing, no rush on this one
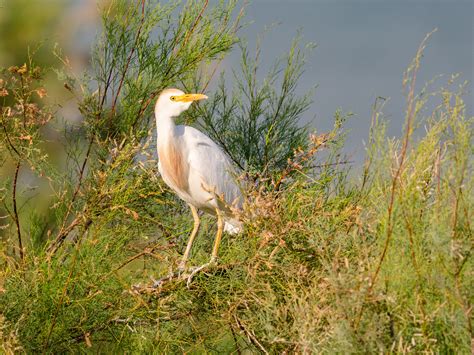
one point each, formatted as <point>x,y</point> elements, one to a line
<point>208,162</point>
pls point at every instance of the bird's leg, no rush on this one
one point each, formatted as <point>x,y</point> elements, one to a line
<point>217,241</point>
<point>197,222</point>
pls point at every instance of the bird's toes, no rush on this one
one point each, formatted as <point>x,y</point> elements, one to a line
<point>196,270</point>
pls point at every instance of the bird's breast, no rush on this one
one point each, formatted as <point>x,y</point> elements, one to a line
<point>175,169</point>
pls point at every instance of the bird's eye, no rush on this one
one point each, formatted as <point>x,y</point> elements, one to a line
<point>173,98</point>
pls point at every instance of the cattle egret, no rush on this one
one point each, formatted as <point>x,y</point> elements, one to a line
<point>196,168</point>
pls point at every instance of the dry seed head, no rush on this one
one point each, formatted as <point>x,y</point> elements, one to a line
<point>27,138</point>
<point>13,69</point>
<point>23,69</point>
<point>41,92</point>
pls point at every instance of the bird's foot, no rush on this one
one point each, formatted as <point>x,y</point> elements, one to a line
<point>172,275</point>
<point>198,269</point>
<point>181,273</point>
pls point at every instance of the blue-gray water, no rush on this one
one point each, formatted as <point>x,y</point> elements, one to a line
<point>363,48</point>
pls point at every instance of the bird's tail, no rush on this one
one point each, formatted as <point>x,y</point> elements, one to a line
<point>233,226</point>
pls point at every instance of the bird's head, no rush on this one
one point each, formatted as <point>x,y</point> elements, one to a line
<point>172,102</point>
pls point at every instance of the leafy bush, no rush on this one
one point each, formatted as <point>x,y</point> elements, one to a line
<point>328,262</point>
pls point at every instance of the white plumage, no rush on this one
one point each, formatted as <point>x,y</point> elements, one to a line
<point>195,167</point>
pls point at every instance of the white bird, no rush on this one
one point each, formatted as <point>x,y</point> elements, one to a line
<point>196,168</point>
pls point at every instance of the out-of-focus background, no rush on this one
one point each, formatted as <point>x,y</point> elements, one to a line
<point>363,47</point>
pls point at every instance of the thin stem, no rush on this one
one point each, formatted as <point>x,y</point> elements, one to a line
<point>15,210</point>
<point>175,52</point>
<point>198,18</point>
<point>64,231</point>
<point>129,59</point>
<point>10,144</point>
<point>373,122</point>
<point>251,336</point>
<point>398,173</point>
<point>61,299</point>
<point>236,341</point>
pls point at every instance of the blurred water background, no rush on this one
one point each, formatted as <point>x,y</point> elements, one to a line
<point>363,47</point>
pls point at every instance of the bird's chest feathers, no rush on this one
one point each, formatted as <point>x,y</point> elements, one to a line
<point>174,166</point>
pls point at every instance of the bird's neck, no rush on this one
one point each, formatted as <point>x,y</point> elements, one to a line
<point>165,128</point>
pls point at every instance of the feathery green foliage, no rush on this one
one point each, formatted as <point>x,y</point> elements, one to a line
<point>258,125</point>
<point>326,263</point>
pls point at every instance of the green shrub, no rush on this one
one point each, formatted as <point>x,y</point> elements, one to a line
<point>327,262</point>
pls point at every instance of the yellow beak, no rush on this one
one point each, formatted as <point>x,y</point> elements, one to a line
<point>190,97</point>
